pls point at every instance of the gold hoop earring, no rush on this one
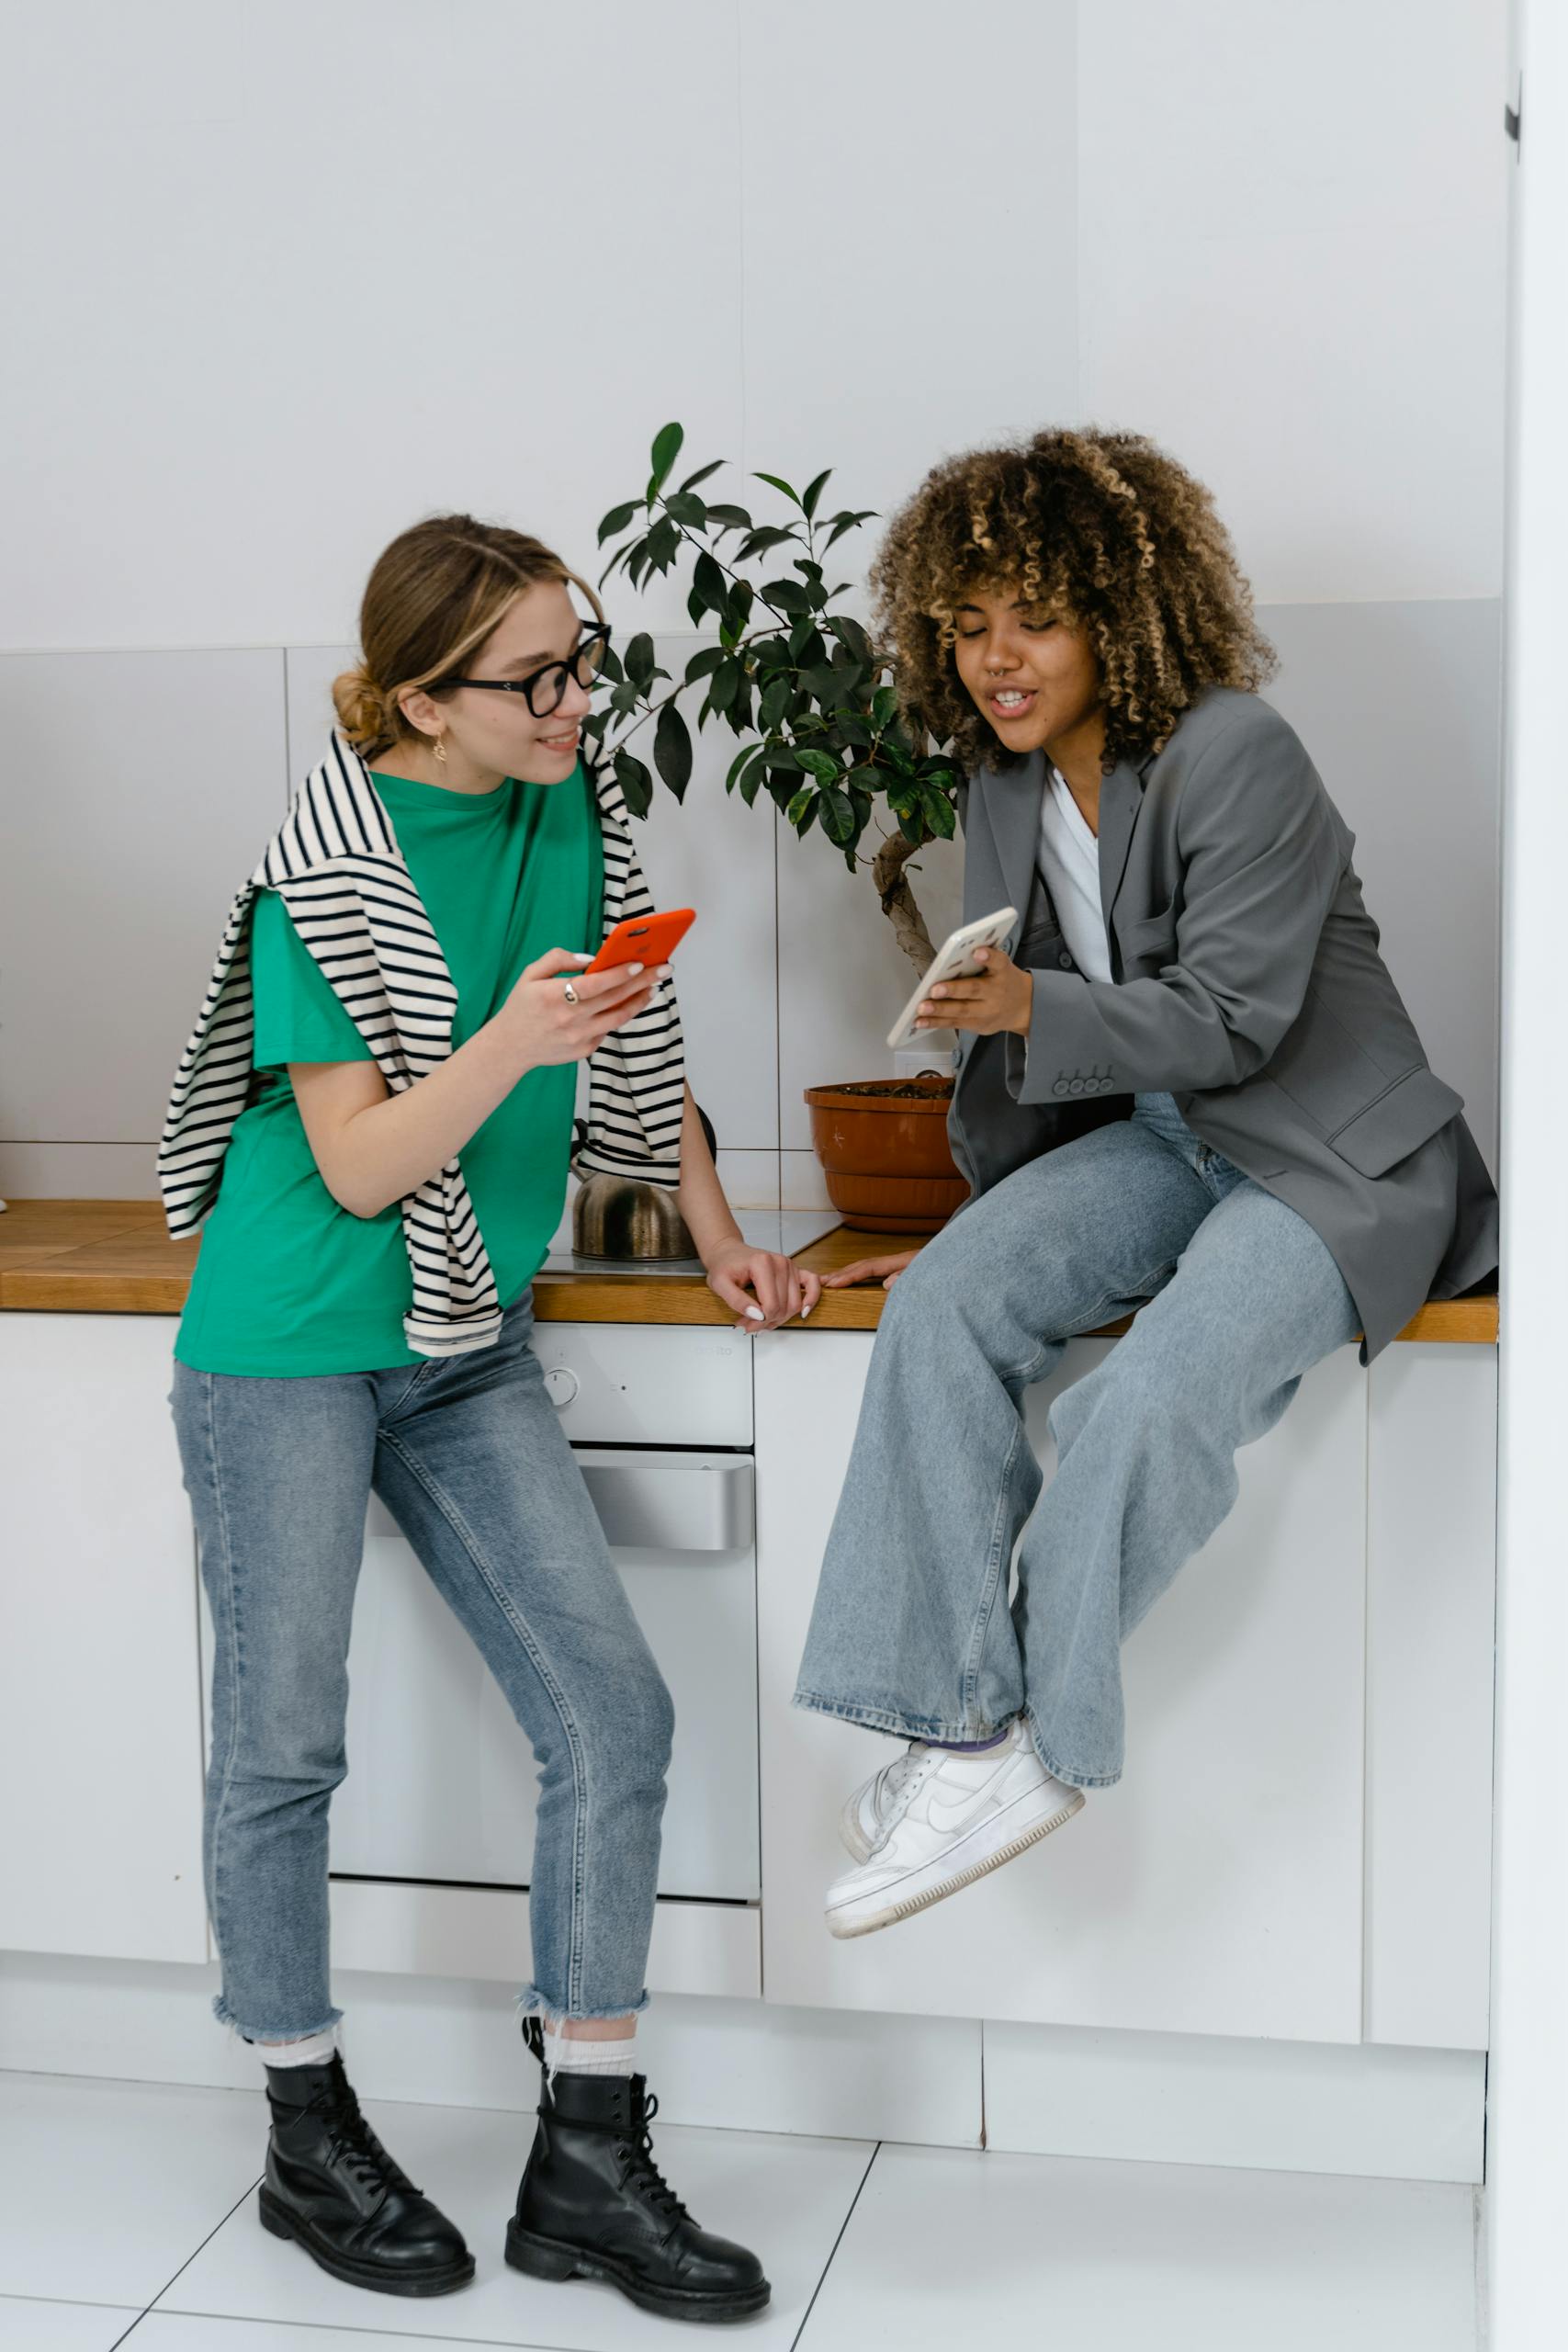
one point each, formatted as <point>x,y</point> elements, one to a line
<point>441,751</point>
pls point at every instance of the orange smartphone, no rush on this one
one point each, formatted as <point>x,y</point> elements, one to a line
<point>644,939</point>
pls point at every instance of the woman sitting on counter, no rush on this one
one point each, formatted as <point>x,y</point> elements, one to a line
<point>1187,1087</point>
<point>394,989</point>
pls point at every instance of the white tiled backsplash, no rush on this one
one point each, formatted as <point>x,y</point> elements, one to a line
<point>790,978</point>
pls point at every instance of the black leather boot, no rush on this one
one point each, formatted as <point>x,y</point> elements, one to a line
<point>331,2185</point>
<point>593,2205</point>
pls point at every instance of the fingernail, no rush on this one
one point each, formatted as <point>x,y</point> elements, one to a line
<point>756,1315</point>
<point>804,1313</point>
<point>632,970</point>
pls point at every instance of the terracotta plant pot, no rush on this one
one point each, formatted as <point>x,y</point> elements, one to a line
<point>883,1145</point>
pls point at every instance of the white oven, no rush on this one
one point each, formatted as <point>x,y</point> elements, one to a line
<point>441,1780</point>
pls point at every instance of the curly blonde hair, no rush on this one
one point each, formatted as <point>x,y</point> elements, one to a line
<point>1104,532</point>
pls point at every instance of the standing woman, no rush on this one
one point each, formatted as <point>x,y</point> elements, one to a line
<point>373,1118</point>
<point>1188,1086</point>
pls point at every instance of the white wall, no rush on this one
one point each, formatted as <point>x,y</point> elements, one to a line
<point>292,277</point>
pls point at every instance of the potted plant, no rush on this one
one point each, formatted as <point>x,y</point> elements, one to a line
<point>824,733</point>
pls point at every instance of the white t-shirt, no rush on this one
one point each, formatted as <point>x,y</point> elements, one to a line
<point>1068,857</point>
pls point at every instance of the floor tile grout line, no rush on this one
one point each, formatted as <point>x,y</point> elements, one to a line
<point>248,2190</point>
<point>832,2254</point>
<point>348,2328</point>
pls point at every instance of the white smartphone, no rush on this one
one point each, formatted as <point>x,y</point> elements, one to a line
<point>954,960</point>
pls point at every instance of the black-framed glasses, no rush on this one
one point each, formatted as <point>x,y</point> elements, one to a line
<point>543,690</point>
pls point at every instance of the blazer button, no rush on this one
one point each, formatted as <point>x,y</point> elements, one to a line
<point>1060,1086</point>
<point>1076,1085</point>
<point>1065,962</point>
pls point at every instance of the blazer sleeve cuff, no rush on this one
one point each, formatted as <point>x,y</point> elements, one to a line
<point>1063,1059</point>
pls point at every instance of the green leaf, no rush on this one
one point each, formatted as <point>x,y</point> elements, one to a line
<point>777,696</point>
<point>725,684</point>
<point>814,491</point>
<point>802,807</point>
<point>663,544</point>
<point>737,605</point>
<point>847,523</point>
<point>702,472</point>
<point>838,816</point>
<point>703,664</point>
<point>783,760</point>
<point>758,542</point>
<point>747,752</point>
<point>850,635</point>
<point>636,783</point>
<point>617,518</point>
<point>822,765</point>
<point>778,482</point>
<point>786,597</point>
<point>638,660</point>
<point>884,707</point>
<point>709,583</point>
<point>626,554</point>
<point>672,750</point>
<point>689,512</point>
<point>940,814</point>
<point>666,449</point>
<point>729,518</point>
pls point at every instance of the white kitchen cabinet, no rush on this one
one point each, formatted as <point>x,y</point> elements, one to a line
<point>1431,1610</point>
<point>100,1698</point>
<point>1219,1889</point>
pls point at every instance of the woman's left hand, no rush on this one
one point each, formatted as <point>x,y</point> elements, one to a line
<point>1001,997</point>
<point>764,1287</point>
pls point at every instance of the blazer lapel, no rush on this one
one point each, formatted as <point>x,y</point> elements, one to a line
<point>1121,796</point>
<point>1013,806</point>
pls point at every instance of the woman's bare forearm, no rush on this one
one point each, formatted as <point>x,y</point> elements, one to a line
<point>386,1149</point>
<point>704,1206</point>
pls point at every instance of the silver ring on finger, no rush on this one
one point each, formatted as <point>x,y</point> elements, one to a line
<point>571,995</point>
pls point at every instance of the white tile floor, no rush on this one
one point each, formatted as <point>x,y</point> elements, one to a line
<point>128,2218</point>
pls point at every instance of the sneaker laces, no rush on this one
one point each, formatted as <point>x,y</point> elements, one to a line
<point>890,1784</point>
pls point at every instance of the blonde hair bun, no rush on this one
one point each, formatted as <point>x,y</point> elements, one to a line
<point>361,708</point>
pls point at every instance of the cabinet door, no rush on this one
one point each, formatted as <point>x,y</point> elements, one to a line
<point>442,1783</point>
<point>1218,1888</point>
<point>100,1696</point>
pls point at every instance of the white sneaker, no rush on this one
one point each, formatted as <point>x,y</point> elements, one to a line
<point>866,1809</point>
<point>950,1820</point>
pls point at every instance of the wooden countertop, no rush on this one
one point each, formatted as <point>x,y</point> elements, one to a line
<point>114,1257</point>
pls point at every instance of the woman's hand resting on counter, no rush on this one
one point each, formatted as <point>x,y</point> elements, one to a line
<point>764,1287</point>
<point>884,1271</point>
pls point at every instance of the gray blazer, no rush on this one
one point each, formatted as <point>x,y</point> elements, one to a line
<point>1251,988</point>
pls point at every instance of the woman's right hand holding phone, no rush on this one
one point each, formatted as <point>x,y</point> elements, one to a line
<point>541,1020</point>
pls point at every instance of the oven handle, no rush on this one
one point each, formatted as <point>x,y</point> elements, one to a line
<point>673,1505</point>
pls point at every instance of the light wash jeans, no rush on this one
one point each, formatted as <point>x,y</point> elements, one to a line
<point>911,1632</point>
<point>468,1453</point>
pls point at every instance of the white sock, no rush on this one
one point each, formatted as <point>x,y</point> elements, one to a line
<point>575,2054</point>
<point>315,2050</point>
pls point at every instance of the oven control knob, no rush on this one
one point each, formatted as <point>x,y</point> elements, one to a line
<point>562,1385</point>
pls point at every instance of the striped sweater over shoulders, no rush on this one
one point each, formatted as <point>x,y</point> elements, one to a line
<point>335,863</point>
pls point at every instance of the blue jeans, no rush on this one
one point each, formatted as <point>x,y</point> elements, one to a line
<point>911,1632</point>
<point>468,1455</point>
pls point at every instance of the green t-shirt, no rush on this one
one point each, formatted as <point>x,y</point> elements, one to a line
<point>287,1281</point>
